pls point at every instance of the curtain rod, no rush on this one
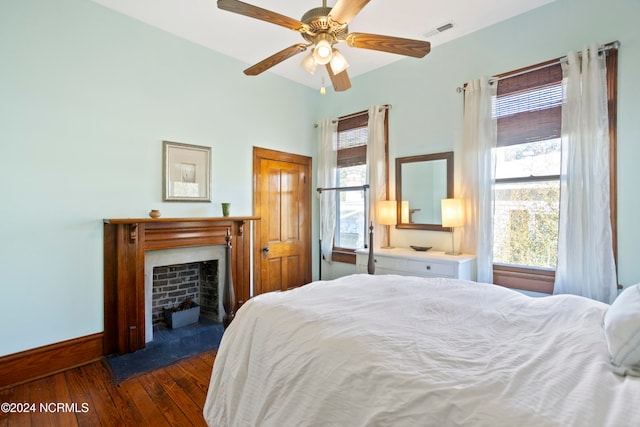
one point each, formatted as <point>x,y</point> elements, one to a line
<point>361,113</point>
<point>358,187</point>
<point>607,47</point>
<point>385,106</point>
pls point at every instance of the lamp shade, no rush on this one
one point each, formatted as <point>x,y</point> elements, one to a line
<point>309,63</point>
<point>387,211</point>
<point>322,52</point>
<point>404,212</point>
<point>338,62</point>
<point>452,212</point>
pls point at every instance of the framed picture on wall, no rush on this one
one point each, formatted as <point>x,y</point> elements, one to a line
<point>186,172</point>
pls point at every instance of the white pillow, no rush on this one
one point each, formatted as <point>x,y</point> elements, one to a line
<point>622,330</point>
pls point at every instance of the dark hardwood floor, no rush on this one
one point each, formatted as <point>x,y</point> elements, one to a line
<point>86,396</point>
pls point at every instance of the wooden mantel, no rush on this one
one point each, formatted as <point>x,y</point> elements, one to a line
<point>125,243</point>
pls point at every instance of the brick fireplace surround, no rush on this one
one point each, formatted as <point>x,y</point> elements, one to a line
<point>125,243</point>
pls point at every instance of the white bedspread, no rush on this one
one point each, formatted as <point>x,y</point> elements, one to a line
<point>405,351</point>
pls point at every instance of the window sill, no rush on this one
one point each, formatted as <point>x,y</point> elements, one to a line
<point>524,278</point>
<point>348,256</point>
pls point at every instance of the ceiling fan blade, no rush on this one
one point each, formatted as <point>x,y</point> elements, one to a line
<point>340,81</point>
<point>275,59</point>
<point>408,47</point>
<point>262,14</point>
<point>345,10</point>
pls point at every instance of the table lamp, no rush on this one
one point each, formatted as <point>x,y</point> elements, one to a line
<point>387,212</point>
<point>452,216</point>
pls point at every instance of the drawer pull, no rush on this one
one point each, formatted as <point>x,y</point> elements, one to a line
<point>428,267</point>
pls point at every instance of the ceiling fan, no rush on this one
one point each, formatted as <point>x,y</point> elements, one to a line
<point>324,27</point>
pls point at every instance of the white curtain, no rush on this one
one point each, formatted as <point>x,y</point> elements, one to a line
<point>327,165</point>
<point>376,169</point>
<point>478,174</point>
<point>586,263</point>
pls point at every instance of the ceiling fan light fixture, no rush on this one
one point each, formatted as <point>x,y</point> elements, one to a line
<point>309,63</point>
<point>322,28</point>
<point>322,52</point>
<point>338,62</point>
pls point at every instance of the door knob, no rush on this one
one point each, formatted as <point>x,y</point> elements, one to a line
<point>265,250</point>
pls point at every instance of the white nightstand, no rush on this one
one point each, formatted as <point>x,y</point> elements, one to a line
<point>407,262</point>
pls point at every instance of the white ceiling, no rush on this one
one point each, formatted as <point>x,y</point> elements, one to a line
<point>251,40</point>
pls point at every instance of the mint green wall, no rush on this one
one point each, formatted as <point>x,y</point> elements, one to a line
<point>86,97</point>
<point>426,114</point>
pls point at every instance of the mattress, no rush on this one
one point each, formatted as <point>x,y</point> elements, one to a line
<point>392,350</point>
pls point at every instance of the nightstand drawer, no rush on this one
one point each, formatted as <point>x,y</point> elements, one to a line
<point>388,262</point>
<point>431,268</point>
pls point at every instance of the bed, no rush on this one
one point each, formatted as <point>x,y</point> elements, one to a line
<point>386,350</point>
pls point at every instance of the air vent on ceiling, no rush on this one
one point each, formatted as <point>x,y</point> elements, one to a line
<point>439,29</point>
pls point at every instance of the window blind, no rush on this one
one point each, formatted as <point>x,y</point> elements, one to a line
<point>529,106</point>
<point>353,133</point>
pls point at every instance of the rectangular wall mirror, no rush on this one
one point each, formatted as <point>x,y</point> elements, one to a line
<point>421,182</point>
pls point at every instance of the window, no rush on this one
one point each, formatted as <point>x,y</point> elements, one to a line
<point>351,170</point>
<point>351,199</point>
<point>527,186</point>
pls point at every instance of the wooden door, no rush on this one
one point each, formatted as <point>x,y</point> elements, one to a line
<point>282,200</point>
